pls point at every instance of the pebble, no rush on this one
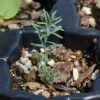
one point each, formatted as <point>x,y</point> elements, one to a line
<point>13,26</point>
<point>92,22</point>
<point>26,54</point>
<point>76,63</point>
<point>39,91</point>
<point>87,10</point>
<point>28,64</point>
<point>22,67</point>
<point>22,16</point>
<point>35,15</point>
<point>42,50</point>
<point>28,1</point>
<point>75,74</point>
<point>95,75</point>
<point>23,60</point>
<point>46,94</point>
<point>73,57</point>
<point>51,62</point>
<point>35,5</point>
<point>97,3</point>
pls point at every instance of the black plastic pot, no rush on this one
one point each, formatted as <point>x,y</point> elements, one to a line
<point>12,41</point>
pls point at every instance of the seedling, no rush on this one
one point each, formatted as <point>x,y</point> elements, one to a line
<point>50,27</point>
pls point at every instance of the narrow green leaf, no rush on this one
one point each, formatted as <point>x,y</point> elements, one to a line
<point>57,35</point>
<point>51,42</point>
<point>53,15</point>
<point>57,21</point>
<point>37,45</point>
<point>54,46</point>
<point>46,16</point>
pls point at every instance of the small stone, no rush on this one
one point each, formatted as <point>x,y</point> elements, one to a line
<point>22,16</point>
<point>92,22</point>
<point>35,5</point>
<point>13,26</point>
<point>46,94</point>
<point>23,60</point>
<point>76,63</point>
<point>87,10</point>
<point>28,64</point>
<point>77,92</point>
<point>51,62</point>
<point>95,74</point>
<point>26,54</point>
<point>42,50</point>
<point>97,3</point>
<point>35,15</point>
<point>66,93</point>
<point>75,74</point>
<point>22,67</point>
<point>73,57</point>
<point>38,91</point>
<point>28,1</point>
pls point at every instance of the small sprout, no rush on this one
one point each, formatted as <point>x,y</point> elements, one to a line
<point>51,27</point>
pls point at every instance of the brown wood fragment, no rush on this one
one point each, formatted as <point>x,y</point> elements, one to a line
<point>85,75</point>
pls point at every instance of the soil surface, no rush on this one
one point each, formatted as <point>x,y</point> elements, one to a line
<point>78,70</point>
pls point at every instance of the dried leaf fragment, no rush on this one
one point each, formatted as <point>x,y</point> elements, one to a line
<point>85,75</point>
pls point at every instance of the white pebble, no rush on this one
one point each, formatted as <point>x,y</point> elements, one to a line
<point>21,67</point>
<point>28,1</point>
<point>28,64</point>
<point>46,94</point>
<point>95,75</point>
<point>39,91</point>
<point>23,60</point>
<point>73,57</point>
<point>51,62</point>
<point>75,74</point>
<point>34,50</point>
<point>42,50</point>
<point>76,63</point>
<point>87,10</point>
<point>97,3</point>
<point>92,22</point>
<point>13,26</point>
